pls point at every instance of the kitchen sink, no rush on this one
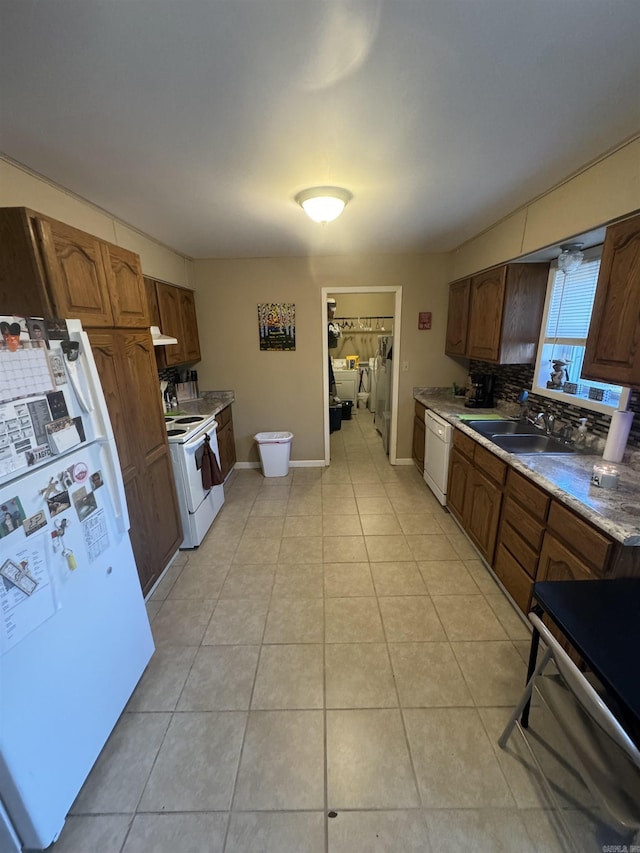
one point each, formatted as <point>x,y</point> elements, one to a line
<point>497,427</point>
<point>519,437</point>
<point>539,443</point>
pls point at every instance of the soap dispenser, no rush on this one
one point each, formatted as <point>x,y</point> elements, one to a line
<point>581,437</point>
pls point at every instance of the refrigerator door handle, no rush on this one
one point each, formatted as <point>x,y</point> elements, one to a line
<point>115,484</point>
<point>72,370</point>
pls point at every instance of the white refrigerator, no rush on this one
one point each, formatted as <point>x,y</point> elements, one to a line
<point>383,370</point>
<point>74,633</point>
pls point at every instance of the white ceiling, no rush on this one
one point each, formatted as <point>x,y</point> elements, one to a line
<point>197,121</point>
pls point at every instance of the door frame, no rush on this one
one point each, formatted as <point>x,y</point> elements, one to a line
<point>395,362</point>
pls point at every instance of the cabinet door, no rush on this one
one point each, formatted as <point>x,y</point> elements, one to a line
<point>460,471</point>
<point>485,314</point>
<point>557,563</point>
<point>127,369</point>
<point>76,273</point>
<point>613,345</point>
<point>482,513</point>
<point>126,287</point>
<point>108,358</point>
<point>191,347</point>
<point>226,441</point>
<point>458,318</point>
<point>418,442</point>
<point>170,323</point>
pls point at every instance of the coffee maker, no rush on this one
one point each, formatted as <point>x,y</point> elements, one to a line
<point>479,394</point>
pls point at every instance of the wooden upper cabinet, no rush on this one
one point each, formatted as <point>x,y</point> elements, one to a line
<point>51,269</point>
<point>177,316</point>
<point>613,345</point>
<point>505,313</point>
<point>75,269</point>
<point>189,326</point>
<point>126,287</point>
<point>485,321</point>
<point>458,318</point>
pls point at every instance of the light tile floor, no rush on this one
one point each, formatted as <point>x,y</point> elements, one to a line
<point>333,669</point>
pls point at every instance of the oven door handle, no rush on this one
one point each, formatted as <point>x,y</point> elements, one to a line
<point>194,443</point>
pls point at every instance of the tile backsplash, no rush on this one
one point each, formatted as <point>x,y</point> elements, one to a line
<point>512,378</point>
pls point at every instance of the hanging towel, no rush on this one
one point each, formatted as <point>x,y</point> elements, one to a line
<point>211,473</point>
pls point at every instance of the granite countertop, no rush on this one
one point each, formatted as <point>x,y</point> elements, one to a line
<point>208,403</point>
<point>566,476</point>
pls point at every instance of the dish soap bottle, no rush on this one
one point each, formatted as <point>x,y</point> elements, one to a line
<point>581,437</point>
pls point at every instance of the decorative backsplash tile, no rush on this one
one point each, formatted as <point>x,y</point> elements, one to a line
<point>512,378</point>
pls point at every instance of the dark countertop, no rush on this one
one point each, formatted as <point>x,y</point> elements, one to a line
<point>566,476</point>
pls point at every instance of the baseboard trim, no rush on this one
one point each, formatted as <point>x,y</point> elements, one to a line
<point>296,463</point>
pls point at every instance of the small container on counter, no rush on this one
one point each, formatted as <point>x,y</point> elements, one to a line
<point>604,476</point>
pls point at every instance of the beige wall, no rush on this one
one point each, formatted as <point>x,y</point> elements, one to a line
<point>20,188</point>
<point>284,391</point>
<point>607,190</point>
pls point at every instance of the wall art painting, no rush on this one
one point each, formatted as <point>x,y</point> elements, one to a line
<point>277,325</point>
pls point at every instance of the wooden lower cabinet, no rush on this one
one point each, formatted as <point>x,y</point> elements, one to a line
<point>482,511</point>
<point>127,368</point>
<point>474,492</point>
<point>522,527</point>
<point>558,563</point>
<point>419,430</point>
<point>226,441</point>
<point>460,469</point>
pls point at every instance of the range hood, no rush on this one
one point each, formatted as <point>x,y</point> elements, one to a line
<point>160,340</point>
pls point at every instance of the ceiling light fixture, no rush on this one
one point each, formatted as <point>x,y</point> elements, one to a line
<point>323,204</point>
<point>570,257</point>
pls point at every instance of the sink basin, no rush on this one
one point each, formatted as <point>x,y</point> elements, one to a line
<point>539,443</point>
<point>505,427</point>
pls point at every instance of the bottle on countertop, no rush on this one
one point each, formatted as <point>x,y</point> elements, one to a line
<point>581,436</point>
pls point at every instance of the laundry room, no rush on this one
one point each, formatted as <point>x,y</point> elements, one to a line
<point>363,323</point>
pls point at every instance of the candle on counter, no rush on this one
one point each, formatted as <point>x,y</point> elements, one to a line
<point>605,476</point>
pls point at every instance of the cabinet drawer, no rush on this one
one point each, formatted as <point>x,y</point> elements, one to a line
<point>490,465</point>
<point>583,539</point>
<point>419,410</point>
<point>464,444</point>
<point>223,417</point>
<point>522,552</point>
<point>533,499</point>
<point>514,578</point>
<point>527,528</point>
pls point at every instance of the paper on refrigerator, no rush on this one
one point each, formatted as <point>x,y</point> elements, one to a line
<point>25,605</point>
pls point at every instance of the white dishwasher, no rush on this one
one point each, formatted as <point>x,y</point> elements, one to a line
<point>437,444</point>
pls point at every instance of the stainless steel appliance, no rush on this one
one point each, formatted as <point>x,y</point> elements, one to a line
<point>437,446</point>
<point>74,633</point>
<point>198,505</point>
<point>479,393</point>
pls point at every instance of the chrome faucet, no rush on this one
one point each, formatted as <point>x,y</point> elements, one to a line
<point>544,421</point>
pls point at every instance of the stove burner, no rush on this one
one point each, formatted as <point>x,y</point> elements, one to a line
<point>176,432</point>
<point>168,419</point>
<point>195,419</point>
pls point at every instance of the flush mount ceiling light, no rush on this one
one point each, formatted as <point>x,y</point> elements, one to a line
<point>570,257</point>
<point>323,204</point>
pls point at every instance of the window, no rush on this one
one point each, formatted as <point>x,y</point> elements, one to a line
<point>565,326</point>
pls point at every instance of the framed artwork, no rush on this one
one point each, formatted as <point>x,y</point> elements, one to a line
<point>277,325</point>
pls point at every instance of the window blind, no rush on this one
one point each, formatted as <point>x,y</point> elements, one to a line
<point>572,301</point>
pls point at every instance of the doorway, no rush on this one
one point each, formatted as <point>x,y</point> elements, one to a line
<point>395,291</point>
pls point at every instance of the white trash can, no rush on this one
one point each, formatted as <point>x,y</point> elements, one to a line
<point>275,449</point>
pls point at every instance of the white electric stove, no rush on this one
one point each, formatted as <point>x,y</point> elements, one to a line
<point>198,506</point>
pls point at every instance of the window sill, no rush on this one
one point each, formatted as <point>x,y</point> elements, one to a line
<point>583,402</point>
